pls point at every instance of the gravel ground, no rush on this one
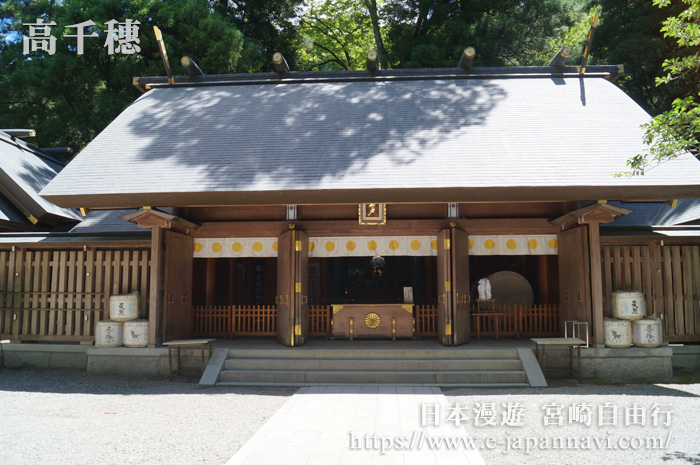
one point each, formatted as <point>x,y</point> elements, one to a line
<point>684,430</point>
<point>73,417</point>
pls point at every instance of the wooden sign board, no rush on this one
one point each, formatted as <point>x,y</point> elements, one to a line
<point>372,213</point>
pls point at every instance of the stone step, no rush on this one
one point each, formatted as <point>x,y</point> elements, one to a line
<point>408,354</point>
<point>460,385</point>
<point>298,377</point>
<point>349,364</point>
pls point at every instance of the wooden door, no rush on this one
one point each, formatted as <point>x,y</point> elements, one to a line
<point>177,286</point>
<point>444,287</point>
<point>301,288</point>
<point>461,316</point>
<point>574,275</point>
<point>285,288</point>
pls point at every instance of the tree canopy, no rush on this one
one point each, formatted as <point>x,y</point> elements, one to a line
<point>68,98</point>
<point>676,130</point>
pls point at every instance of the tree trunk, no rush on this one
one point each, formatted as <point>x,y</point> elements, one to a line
<point>372,7</point>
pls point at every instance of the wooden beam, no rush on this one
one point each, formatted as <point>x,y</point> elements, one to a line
<point>543,279</point>
<point>155,303</point>
<point>596,283</point>
<point>340,228</point>
<point>372,64</point>
<point>210,284</point>
<point>552,193</point>
<point>149,217</point>
<point>163,54</point>
<point>589,41</point>
<point>280,63</point>
<point>20,133</point>
<point>596,213</point>
<point>191,67</point>
<point>560,58</point>
<point>466,59</point>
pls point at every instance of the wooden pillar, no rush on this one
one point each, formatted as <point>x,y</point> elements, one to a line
<point>155,303</point>
<point>596,283</point>
<point>232,280</point>
<point>210,296</point>
<point>17,301</point>
<point>543,279</point>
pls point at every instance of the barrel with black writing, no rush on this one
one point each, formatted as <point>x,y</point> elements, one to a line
<point>124,307</point>
<point>628,305</point>
<point>136,333</point>
<point>618,333</point>
<point>109,333</point>
<point>647,332</point>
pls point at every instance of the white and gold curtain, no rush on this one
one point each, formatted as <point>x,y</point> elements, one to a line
<point>368,246</point>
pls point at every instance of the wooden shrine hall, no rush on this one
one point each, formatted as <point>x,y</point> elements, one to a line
<point>367,204</point>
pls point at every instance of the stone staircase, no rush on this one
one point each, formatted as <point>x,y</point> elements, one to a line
<point>364,364</point>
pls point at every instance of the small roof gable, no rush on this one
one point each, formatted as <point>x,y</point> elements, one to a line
<point>24,171</point>
<point>427,139</point>
<point>686,211</point>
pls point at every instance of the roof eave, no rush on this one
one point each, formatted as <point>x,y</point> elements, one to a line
<point>396,195</point>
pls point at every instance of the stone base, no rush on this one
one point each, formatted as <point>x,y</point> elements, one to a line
<point>686,358</point>
<point>123,361</point>
<point>631,364</point>
<point>46,355</point>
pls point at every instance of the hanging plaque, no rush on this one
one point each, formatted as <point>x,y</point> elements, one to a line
<point>372,213</point>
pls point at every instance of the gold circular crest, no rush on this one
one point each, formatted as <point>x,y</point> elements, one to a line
<point>372,320</point>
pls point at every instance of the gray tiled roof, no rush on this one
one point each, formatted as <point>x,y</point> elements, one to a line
<point>658,213</point>
<point>105,221</point>
<point>25,172</point>
<point>479,135</point>
<point>9,212</point>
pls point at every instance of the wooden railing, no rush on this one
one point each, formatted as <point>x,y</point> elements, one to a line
<point>669,277</point>
<point>213,321</point>
<point>517,321</point>
<point>230,321</point>
<point>258,320</point>
<point>426,321</point>
<point>320,320</point>
<point>60,295</point>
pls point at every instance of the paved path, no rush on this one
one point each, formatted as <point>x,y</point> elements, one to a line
<point>330,425</point>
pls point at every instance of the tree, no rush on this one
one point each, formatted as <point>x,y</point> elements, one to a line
<point>433,33</point>
<point>676,131</point>
<point>376,29</point>
<point>337,34</point>
<point>69,98</point>
<point>267,27</point>
<point>629,33</point>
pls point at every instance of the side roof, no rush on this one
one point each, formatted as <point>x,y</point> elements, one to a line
<point>687,211</point>
<point>475,138</point>
<point>24,171</point>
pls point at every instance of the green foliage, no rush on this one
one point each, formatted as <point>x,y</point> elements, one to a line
<point>69,98</point>
<point>267,27</point>
<point>677,130</point>
<point>335,34</point>
<point>433,33</point>
<point>629,33</point>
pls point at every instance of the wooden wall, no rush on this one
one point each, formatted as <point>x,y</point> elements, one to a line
<point>60,294</point>
<point>669,276</point>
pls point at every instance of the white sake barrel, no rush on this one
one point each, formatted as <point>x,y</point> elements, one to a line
<point>109,333</point>
<point>647,332</point>
<point>618,333</point>
<point>136,333</point>
<point>628,305</point>
<point>124,307</point>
